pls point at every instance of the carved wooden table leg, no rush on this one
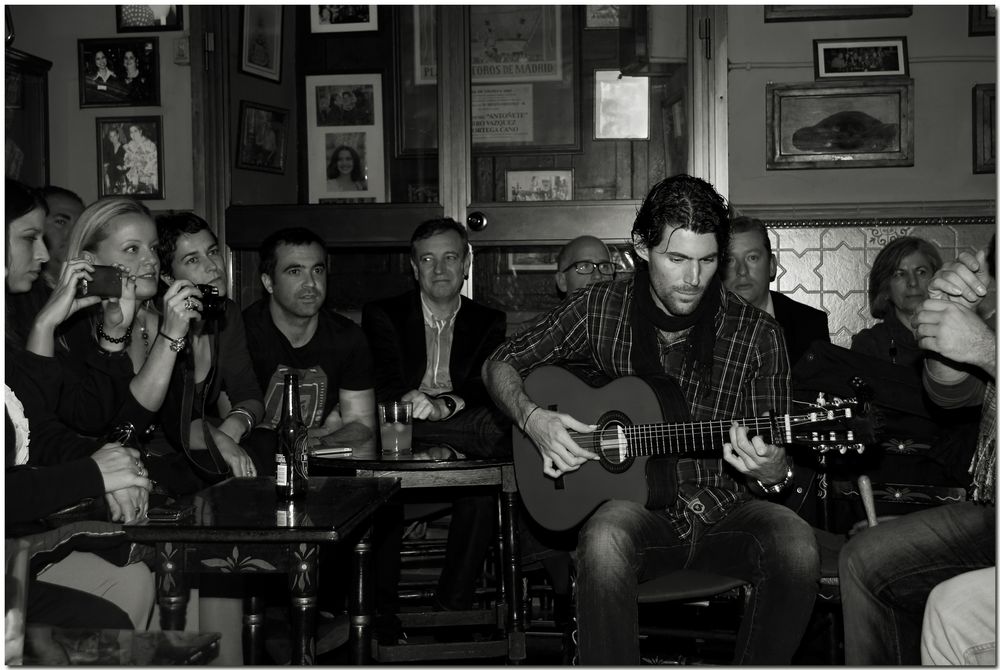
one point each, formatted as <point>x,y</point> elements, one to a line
<point>253,630</point>
<point>302,574</point>
<point>361,607</point>
<point>171,586</point>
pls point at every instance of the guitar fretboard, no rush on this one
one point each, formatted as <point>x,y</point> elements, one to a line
<point>657,439</point>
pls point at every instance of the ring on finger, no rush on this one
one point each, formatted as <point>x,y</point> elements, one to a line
<point>188,303</point>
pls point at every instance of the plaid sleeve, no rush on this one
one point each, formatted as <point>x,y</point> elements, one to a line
<point>771,387</point>
<point>560,335</point>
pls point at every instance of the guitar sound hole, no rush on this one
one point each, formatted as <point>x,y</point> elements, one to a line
<point>612,446</point>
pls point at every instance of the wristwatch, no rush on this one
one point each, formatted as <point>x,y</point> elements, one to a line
<point>774,489</point>
<point>450,404</point>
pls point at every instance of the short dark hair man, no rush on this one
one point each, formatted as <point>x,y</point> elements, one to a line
<point>65,208</point>
<point>581,262</point>
<point>728,360</point>
<point>751,268</point>
<point>428,346</point>
<point>290,330</point>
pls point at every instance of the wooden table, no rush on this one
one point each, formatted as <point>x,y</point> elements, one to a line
<point>413,473</point>
<point>238,528</point>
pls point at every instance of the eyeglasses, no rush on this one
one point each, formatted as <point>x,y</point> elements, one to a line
<point>588,267</point>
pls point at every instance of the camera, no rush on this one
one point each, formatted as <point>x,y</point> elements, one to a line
<point>106,283</point>
<point>213,306</point>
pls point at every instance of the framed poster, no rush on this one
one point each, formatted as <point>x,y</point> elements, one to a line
<point>840,124</point>
<point>621,106</point>
<point>607,17</point>
<point>130,157</point>
<point>834,12</point>
<point>342,18</point>
<point>260,44</point>
<point>864,57</point>
<point>119,72</point>
<point>263,137</point>
<point>984,123</point>
<point>538,185</point>
<point>345,141</point>
<point>149,18</point>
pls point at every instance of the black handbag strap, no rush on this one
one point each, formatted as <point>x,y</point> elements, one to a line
<point>187,400</point>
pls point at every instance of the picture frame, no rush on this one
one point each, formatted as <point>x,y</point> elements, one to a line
<point>260,41</point>
<point>344,125</point>
<point>776,13</point>
<point>119,72</point>
<point>263,137</point>
<point>862,57</point>
<point>416,113</point>
<point>538,185</point>
<point>840,124</point>
<point>982,20</point>
<point>532,261</point>
<point>130,157</point>
<point>621,106</point>
<point>984,123</point>
<point>149,18</point>
<point>607,17</point>
<point>342,18</point>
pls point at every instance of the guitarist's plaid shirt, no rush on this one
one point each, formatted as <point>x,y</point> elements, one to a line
<point>750,376</point>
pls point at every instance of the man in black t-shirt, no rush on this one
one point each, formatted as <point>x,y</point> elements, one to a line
<point>289,330</point>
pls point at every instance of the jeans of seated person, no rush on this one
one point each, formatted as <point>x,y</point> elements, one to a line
<point>960,621</point>
<point>887,572</point>
<point>478,433</point>
<point>64,607</point>
<point>766,544</point>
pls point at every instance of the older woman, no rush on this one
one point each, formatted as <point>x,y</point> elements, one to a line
<point>34,491</point>
<point>897,285</point>
<point>344,172</point>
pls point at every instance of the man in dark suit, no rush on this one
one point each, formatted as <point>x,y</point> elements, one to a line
<point>428,346</point>
<point>752,267</point>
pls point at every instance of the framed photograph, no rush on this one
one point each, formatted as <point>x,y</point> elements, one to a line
<point>532,261</point>
<point>119,72</point>
<point>539,185</point>
<point>840,125</point>
<point>343,18</point>
<point>834,12</point>
<point>149,18</point>
<point>263,137</point>
<point>344,133</point>
<point>984,123</point>
<point>607,17</point>
<point>260,49</point>
<point>515,43</point>
<point>982,20</point>
<point>866,57</point>
<point>130,157</point>
<point>621,106</point>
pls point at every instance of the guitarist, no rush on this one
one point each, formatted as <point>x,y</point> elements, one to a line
<point>674,318</point>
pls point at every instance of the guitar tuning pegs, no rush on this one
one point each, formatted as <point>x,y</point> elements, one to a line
<point>821,399</point>
<point>843,449</point>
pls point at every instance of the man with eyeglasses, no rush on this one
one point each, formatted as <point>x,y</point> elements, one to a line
<point>583,261</point>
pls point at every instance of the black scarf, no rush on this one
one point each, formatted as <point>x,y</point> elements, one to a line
<point>647,318</point>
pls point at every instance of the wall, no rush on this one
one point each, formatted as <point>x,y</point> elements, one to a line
<point>945,63</point>
<point>51,32</point>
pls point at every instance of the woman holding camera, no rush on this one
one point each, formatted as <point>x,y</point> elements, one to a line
<point>217,363</point>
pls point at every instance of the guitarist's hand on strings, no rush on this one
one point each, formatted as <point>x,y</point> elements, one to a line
<point>754,457</point>
<point>560,453</point>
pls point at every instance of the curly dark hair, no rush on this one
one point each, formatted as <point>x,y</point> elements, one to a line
<point>331,167</point>
<point>686,202</point>
<point>169,228</point>
<point>885,265</point>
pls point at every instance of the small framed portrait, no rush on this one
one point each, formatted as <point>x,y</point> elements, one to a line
<point>263,137</point>
<point>149,18</point>
<point>539,185</point>
<point>346,154</point>
<point>607,17</point>
<point>260,48</point>
<point>984,123</point>
<point>866,57</point>
<point>343,18</point>
<point>119,72</point>
<point>130,157</point>
<point>982,20</point>
<point>621,106</point>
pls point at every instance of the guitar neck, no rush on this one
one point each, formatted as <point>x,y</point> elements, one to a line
<point>659,439</point>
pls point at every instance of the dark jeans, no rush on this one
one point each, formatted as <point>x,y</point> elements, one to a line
<point>887,572</point>
<point>477,433</point>
<point>766,544</point>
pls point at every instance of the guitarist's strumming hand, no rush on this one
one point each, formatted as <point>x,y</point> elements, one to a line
<point>560,453</point>
<point>754,458</point>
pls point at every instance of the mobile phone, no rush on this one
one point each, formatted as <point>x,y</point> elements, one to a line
<point>106,283</point>
<point>169,511</point>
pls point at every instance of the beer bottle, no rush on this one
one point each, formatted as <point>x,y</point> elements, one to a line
<point>292,456</point>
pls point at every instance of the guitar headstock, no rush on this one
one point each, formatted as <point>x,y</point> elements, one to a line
<point>834,424</point>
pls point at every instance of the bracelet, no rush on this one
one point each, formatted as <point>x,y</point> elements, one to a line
<point>524,428</point>
<point>773,489</point>
<point>247,416</point>
<point>175,345</point>
<point>124,339</point>
<point>449,403</point>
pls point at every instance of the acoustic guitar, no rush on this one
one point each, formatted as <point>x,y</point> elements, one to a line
<point>651,420</point>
